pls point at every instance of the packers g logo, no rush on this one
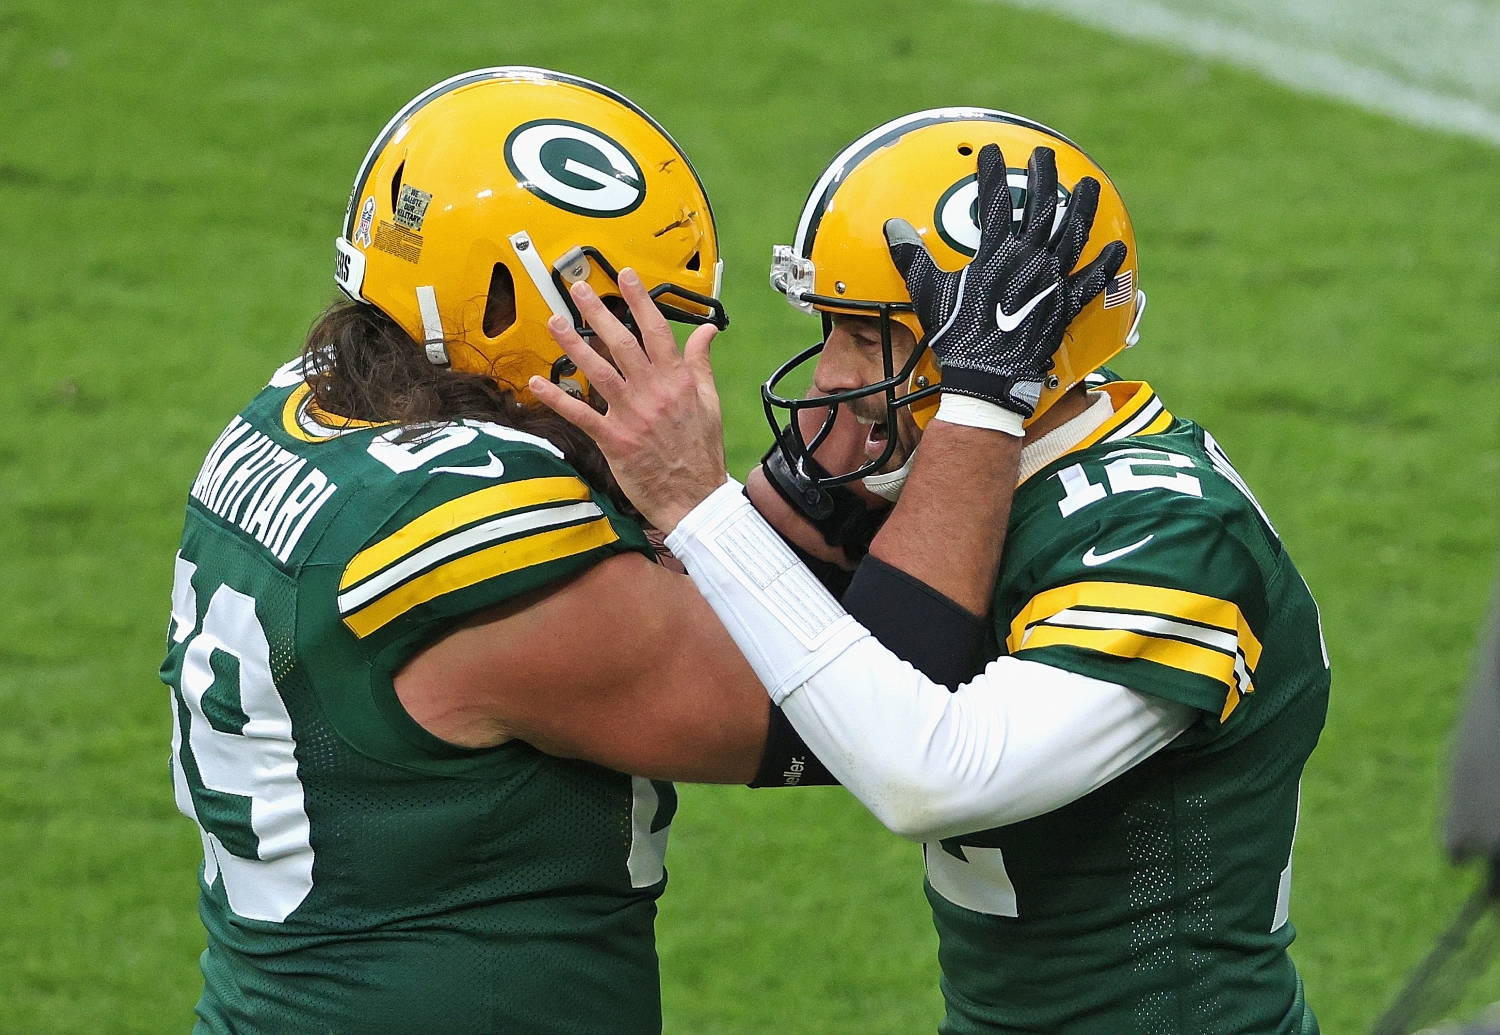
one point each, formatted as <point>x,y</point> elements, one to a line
<point>576,168</point>
<point>957,214</point>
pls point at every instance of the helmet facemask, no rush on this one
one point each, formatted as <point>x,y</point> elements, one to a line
<point>899,387</point>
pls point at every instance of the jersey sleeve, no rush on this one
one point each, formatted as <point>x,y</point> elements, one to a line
<point>1169,603</point>
<point>474,536</point>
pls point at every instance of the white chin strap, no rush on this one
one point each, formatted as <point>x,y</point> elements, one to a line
<point>888,486</point>
<point>1135,325</point>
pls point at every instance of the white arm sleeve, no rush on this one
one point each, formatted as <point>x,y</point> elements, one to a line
<point>1018,740</point>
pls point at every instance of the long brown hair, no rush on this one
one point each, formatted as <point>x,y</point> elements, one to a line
<point>361,364</point>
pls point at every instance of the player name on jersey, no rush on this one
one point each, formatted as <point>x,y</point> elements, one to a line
<point>271,494</point>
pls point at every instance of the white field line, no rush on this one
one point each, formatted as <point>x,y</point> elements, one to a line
<point>1308,68</point>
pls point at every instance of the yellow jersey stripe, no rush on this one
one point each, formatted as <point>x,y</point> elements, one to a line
<point>476,567</point>
<point>1187,657</point>
<point>454,514</point>
<point>1162,422</point>
<point>300,410</point>
<point>1169,603</point>
<point>512,525</point>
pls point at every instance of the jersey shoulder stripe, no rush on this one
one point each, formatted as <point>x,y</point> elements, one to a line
<point>1196,610</point>
<point>1196,634</point>
<point>478,536</point>
<point>459,513</point>
<point>501,559</point>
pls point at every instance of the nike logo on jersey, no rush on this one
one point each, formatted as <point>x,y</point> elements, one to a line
<point>494,469</point>
<point>1093,560</point>
<point>1010,323</point>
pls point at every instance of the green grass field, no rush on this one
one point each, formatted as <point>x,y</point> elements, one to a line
<point>1325,295</point>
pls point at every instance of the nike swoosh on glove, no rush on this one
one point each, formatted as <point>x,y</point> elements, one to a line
<point>994,325</point>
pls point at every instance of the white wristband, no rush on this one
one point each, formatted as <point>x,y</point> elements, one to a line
<point>977,413</point>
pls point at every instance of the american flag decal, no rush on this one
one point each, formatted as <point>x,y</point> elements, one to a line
<point>1121,289</point>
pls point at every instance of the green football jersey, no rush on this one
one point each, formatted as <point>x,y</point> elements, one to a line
<point>1156,905</point>
<point>361,875</point>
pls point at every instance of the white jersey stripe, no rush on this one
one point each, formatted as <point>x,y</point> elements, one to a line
<point>489,531</point>
<point>1140,420</point>
<point>1218,639</point>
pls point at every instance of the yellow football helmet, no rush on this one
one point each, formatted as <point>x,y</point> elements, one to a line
<point>923,168</point>
<point>489,194</point>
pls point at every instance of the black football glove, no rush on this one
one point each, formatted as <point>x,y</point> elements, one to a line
<point>994,325</point>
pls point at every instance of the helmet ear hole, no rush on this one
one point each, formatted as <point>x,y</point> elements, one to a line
<point>500,305</point>
<point>696,262</point>
<point>396,186</point>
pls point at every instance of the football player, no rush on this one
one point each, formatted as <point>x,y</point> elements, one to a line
<point>401,581</point>
<point>1107,807</point>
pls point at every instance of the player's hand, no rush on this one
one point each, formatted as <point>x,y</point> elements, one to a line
<point>994,325</point>
<point>663,434</point>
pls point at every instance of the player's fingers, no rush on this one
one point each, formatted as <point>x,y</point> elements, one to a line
<point>695,354</point>
<point>1087,283</point>
<point>656,334</point>
<point>996,207</point>
<point>1041,197</point>
<point>1074,232</point>
<point>623,348</point>
<point>574,411</point>
<point>595,367</point>
<point>909,255</point>
<point>1112,258</point>
<point>914,263</point>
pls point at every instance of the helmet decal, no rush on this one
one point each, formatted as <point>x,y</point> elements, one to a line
<point>957,213</point>
<point>397,126</point>
<point>411,207</point>
<point>366,219</point>
<point>881,137</point>
<point>576,168</point>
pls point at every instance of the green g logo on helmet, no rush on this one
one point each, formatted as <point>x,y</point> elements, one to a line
<point>957,214</point>
<point>578,169</point>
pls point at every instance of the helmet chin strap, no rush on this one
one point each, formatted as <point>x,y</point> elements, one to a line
<point>541,277</point>
<point>434,340</point>
<point>1135,325</point>
<point>888,486</point>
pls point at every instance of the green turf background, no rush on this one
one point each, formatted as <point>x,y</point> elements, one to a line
<point>1324,296</point>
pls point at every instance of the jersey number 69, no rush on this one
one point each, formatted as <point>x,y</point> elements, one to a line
<point>234,763</point>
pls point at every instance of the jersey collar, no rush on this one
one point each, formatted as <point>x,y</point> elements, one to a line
<point>302,419</point>
<point>1137,412</point>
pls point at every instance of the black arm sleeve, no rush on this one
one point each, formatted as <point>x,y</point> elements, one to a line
<point>787,761</point>
<point>916,623</point>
